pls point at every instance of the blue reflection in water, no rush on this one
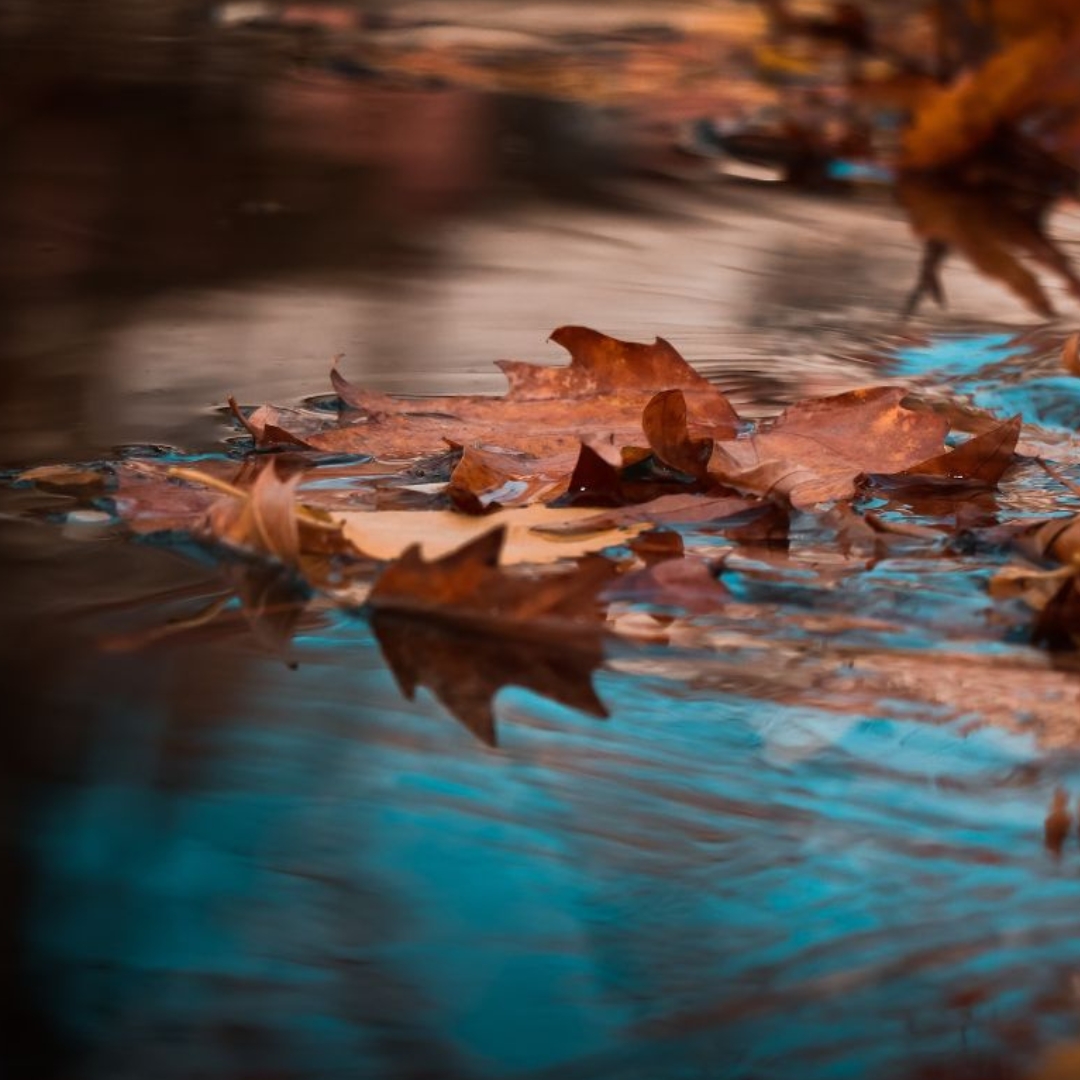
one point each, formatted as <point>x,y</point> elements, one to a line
<point>990,368</point>
<point>710,883</point>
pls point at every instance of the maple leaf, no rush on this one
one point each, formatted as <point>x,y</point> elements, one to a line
<point>464,628</point>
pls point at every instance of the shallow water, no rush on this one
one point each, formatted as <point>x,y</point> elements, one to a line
<point>808,840</point>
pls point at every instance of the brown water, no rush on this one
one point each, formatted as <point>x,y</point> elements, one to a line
<point>781,855</point>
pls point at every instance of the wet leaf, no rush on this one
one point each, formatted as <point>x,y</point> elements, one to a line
<point>533,534</point>
<point>666,509</point>
<point>982,459</point>
<point>547,411</point>
<point>464,627</point>
<point>67,479</point>
<point>665,424</point>
<point>484,479</point>
<point>816,449</point>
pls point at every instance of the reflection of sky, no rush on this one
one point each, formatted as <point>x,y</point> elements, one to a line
<point>967,365</point>
<point>342,889</point>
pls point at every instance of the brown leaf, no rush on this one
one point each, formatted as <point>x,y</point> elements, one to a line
<point>487,478</point>
<point>666,509</point>
<point>983,458</point>
<point>466,673</point>
<point>952,122</point>
<point>264,521</point>
<point>468,584</point>
<point>547,411</point>
<point>665,425</point>
<point>816,449</point>
<point>67,479</point>
<point>463,627</point>
<point>264,425</point>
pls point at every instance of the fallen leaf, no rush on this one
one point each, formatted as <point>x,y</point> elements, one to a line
<point>464,627</point>
<point>665,424</point>
<point>815,450</point>
<point>534,534</point>
<point>982,459</point>
<point>67,479</point>
<point>546,410</point>
<point>485,478</point>
<point>666,509</point>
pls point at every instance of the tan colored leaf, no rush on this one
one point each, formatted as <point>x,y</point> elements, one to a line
<point>387,534</point>
<point>74,479</point>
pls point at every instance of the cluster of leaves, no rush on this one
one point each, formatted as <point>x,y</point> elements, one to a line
<point>470,529</point>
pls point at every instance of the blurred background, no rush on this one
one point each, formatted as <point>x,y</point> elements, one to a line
<point>200,199</point>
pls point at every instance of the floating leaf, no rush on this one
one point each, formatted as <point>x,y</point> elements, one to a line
<point>464,627</point>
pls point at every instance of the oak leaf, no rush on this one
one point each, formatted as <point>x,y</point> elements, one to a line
<point>546,410</point>
<point>816,449</point>
<point>464,628</point>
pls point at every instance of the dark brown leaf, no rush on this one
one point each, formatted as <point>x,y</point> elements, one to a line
<point>463,627</point>
<point>465,673</point>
